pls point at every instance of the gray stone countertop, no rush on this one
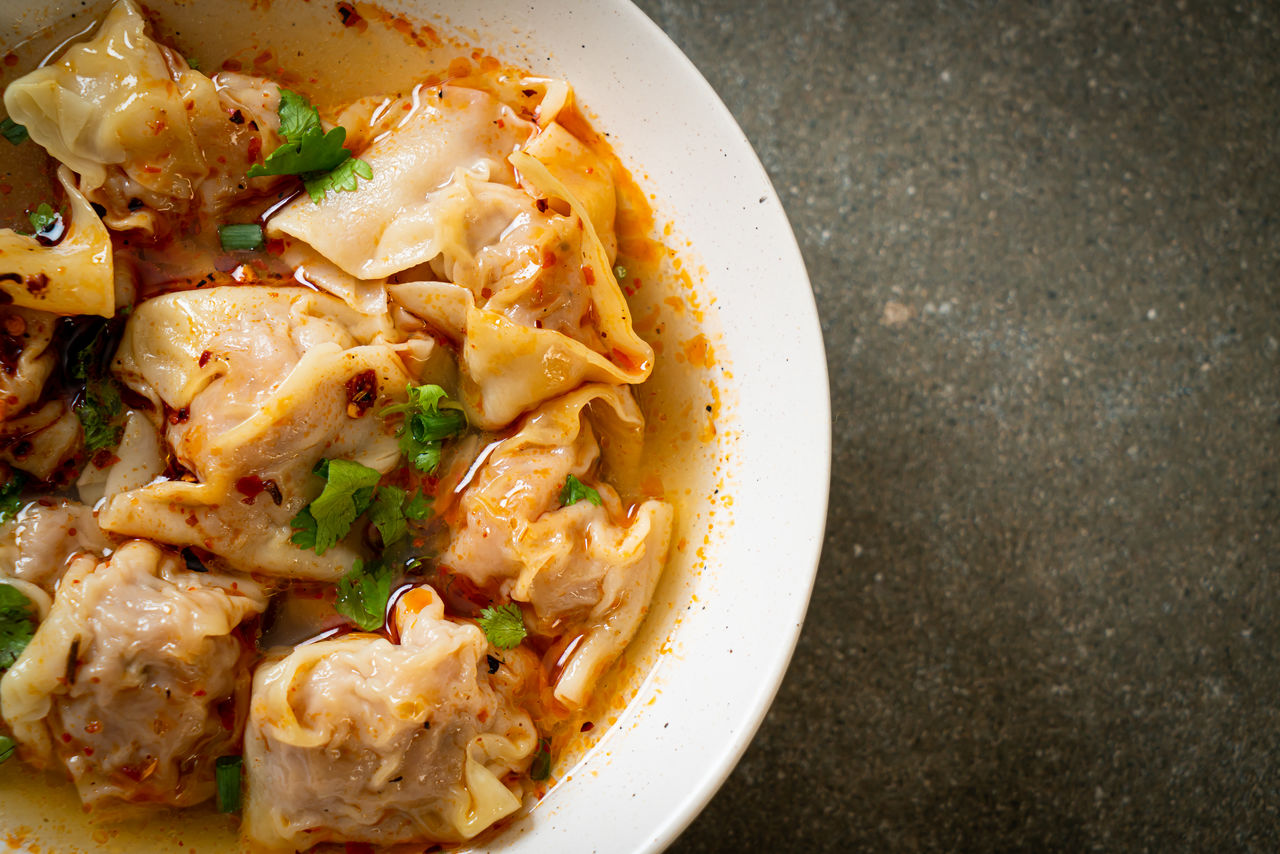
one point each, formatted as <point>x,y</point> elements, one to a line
<point>1044,240</point>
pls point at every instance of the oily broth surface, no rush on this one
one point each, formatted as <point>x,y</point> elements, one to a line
<point>307,46</point>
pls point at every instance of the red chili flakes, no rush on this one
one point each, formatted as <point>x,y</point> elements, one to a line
<point>588,274</point>
<point>362,393</point>
<point>264,57</point>
<point>237,117</point>
<point>352,18</point>
<point>205,357</point>
<point>232,65</point>
<point>11,59</point>
<point>587,727</point>
<point>37,284</point>
<point>180,416</point>
<point>548,259</point>
<point>485,293</point>
<point>528,93</point>
<point>255,149</point>
<point>542,205</point>
<point>104,458</point>
<point>250,486</point>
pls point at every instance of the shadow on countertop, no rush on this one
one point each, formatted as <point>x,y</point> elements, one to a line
<point>1044,241</point>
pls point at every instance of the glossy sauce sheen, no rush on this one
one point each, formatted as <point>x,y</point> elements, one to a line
<point>335,53</point>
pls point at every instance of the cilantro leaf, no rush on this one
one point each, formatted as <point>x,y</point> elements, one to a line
<point>503,625</point>
<point>348,492</point>
<point>99,413</point>
<point>314,152</point>
<point>7,746</point>
<point>426,425</point>
<point>418,508</point>
<point>390,513</point>
<point>363,593</point>
<point>297,117</point>
<point>575,490</point>
<point>341,178</point>
<point>16,625</point>
<point>387,516</point>
<point>43,216</point>
<point>319,158</point>
<point>11,496</point>
<point>305,529</point>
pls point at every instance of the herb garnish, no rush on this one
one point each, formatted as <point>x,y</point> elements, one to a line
<point>351,489</point>
<point>540,768</point>
<point>318,158</point>
<point>227,773</point>
<point>575,490</point>
<point>246,237</point>
<point>11,495</point>
<point>426,425</point>
<point>43,217</point>
<point>503,625</point>
<point>7,746</point>
<point>100,408</point>
<point>12,131</point>
<point>363,593</point>
<point>16,626</point>
<point>348,492</point>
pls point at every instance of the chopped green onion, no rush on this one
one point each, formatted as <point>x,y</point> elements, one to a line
<point>7,747</point>
<point>227,772</point>
<point>12,131</point>
<point>192,63</point>
<point>239,238</point>
<point>619,272</point>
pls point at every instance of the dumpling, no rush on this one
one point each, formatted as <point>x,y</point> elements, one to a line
<point>581,569</point>
<point>399,218</point>
<point>74,276</point>
<point>146,134</point>
<point>137,680</point>
<point>39,543</point>
<point>537,312</point>
<point>253,386</point>
<point>363,740</point>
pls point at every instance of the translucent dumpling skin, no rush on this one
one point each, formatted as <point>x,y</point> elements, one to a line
<point>137,680</point>
<point>362,740</point>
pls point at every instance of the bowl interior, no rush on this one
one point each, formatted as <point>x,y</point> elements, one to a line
<point>700,677</point>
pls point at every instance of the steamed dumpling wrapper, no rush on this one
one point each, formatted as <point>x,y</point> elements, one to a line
<point>136,681</point>
<point>581,568</point>
<point>362,740</point>
<point>255,382</point>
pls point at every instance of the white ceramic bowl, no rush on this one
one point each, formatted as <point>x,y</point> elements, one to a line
<point>741,612</point>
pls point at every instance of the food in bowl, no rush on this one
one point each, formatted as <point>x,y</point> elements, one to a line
<point>326,475</point>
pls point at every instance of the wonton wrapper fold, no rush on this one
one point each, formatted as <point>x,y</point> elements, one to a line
<point>583,568</point>
<point>75,276</point>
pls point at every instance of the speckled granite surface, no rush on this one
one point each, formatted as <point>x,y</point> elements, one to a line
<point>1045,246</point>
